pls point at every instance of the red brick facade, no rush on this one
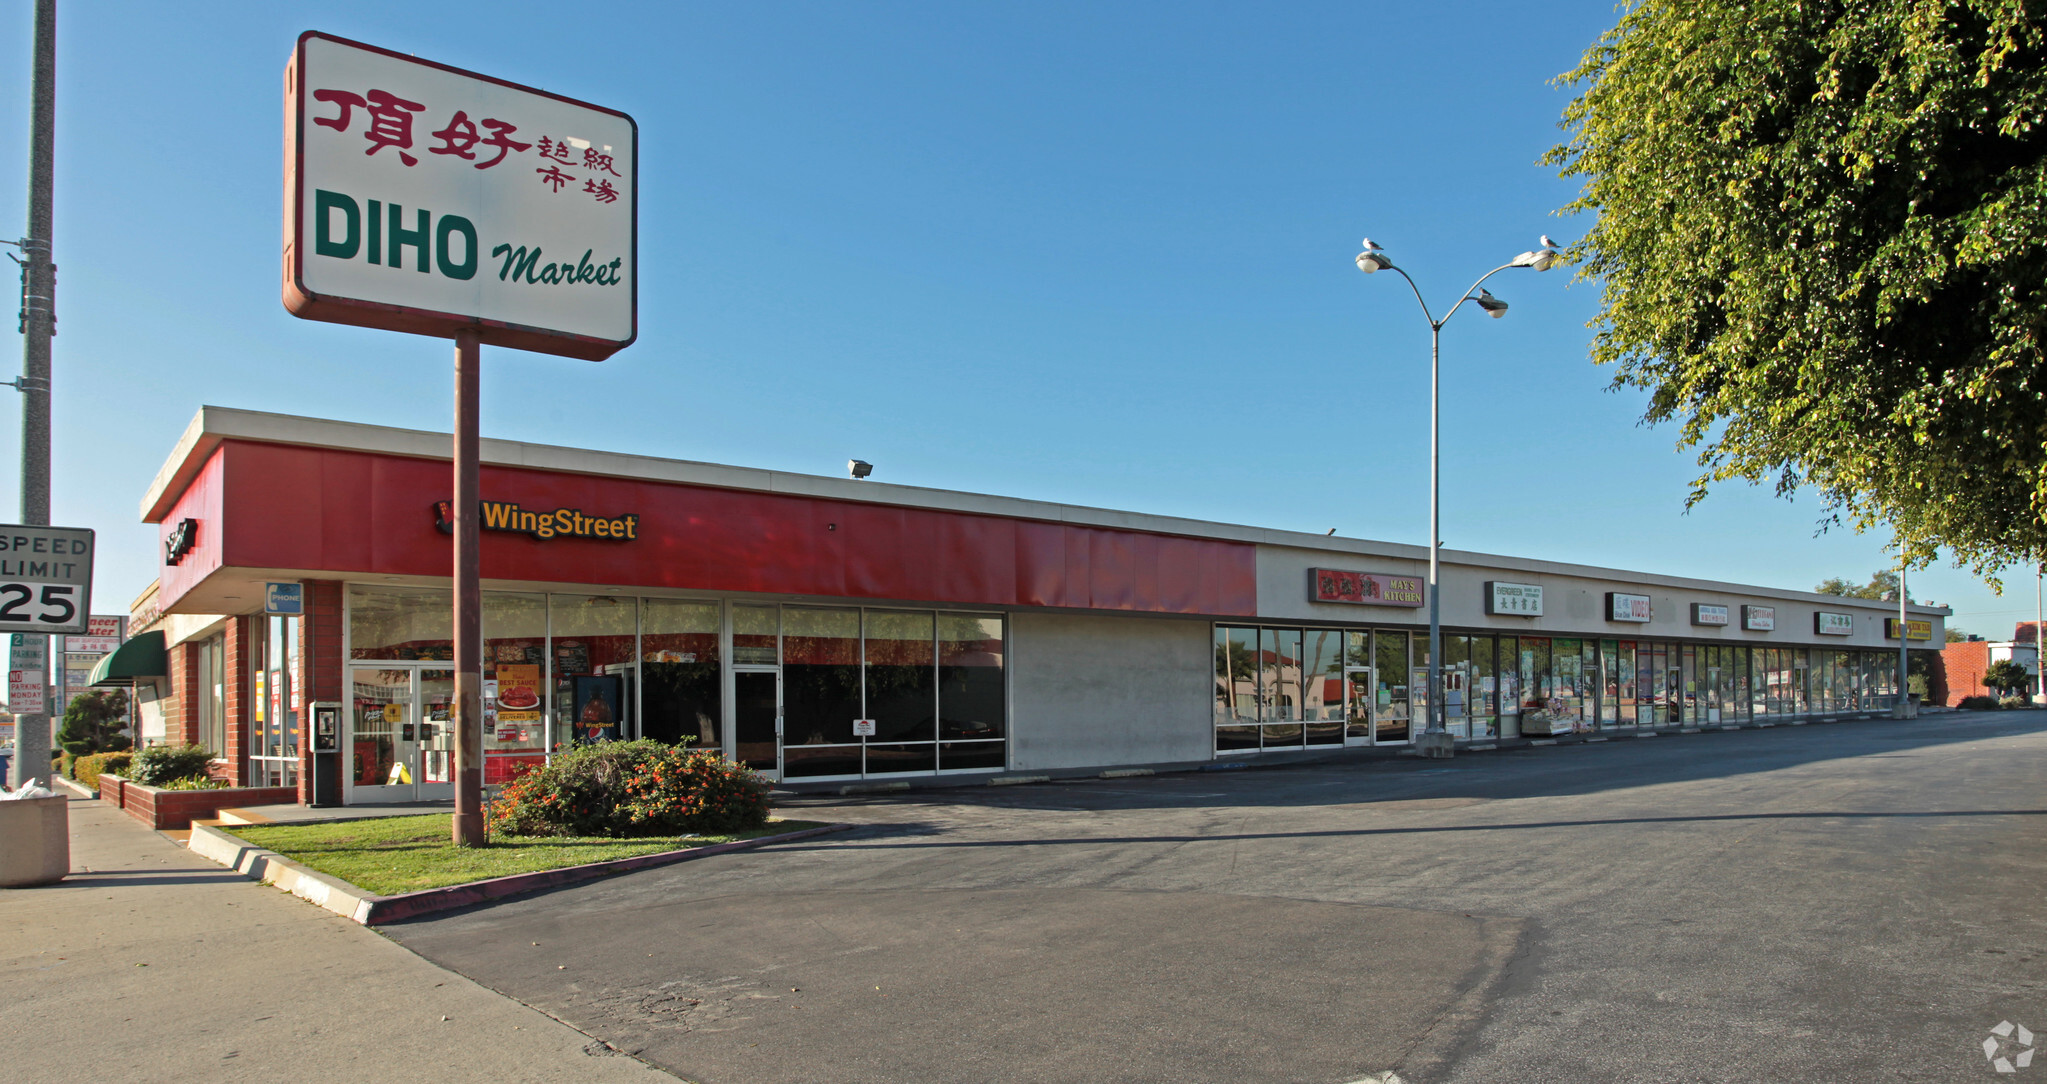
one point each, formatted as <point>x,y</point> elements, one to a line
<point>1963,665</point>
<point>320,670</point>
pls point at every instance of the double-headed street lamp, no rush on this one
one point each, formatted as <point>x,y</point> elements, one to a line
<point>1435,739</point>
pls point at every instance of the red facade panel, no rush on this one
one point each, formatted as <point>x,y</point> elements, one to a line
<point>345,512</point>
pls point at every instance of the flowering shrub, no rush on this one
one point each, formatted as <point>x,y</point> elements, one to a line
<point>630,789</point>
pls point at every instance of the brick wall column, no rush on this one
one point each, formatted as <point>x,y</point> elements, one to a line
<point>181,715</point>
<point>240,720</point>
<point>320,650</point>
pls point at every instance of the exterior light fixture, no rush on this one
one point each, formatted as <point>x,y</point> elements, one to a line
<point>859,468</point>
<point>1435,739</point>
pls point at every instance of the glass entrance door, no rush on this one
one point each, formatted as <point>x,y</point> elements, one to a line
<point>1360,692</point>
<point>757,720</point>
<point>401,745</point>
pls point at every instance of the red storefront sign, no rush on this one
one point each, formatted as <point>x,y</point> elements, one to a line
<point>1364,588</point>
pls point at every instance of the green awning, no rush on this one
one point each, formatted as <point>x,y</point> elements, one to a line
<point>142,657</point>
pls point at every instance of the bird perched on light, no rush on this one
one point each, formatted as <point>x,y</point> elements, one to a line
<point>1493,306</point>
<point>1547,243</point>
<point>1373,258</point>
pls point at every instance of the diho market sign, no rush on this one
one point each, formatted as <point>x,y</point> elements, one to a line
<point>427,199</point>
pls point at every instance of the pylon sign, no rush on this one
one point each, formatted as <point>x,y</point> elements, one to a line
<point>427,199</point>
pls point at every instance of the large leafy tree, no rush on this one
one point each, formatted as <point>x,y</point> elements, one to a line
<point>1822,238</point>
<point>1882,585</point>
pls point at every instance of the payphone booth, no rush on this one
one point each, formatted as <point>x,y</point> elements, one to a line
<point>326,753</point>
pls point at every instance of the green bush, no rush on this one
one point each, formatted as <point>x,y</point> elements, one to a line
<point>161,765</point>
<point>2015,702</point>
<point>88,769</point>
<point>628,790</point>
<point>1978,703</point>
<point>195,782</point>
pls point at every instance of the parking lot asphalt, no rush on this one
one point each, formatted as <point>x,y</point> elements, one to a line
<point>1851,901</point>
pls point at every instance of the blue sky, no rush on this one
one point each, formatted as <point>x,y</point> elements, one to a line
<point>1090,253</point>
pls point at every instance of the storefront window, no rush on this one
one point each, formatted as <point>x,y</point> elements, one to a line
<point>1508,696</point>
<point>1236,688</point>
<point>515,666</point>
<point>1609,684</point>
<point>212,695</point>
<point>1393,706</point>
<point>273,704</point>
<point>902,692</point>
<point>679,700</point>
<point>593,666</point>
<point>1484,688</point>
<point>400,623</point>
<point>821,691</point>
<point>972,712</point>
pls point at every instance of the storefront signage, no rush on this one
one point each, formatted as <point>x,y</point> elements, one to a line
<point>1707,613</point>
<point>1832,624</point>
<point>1633,608</point>
<point>45,579</point>
<point>1915,629</point>
<point>103,635</point>
<point>427,199</point>
<point>1513,599</point>
<point>180,541</point>
<point>863,728</point>
<point>1759,618</point>
<point>560,523</point>
<point>1365,588</point>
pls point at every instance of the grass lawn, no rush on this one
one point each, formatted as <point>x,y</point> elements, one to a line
<point>389,855</point>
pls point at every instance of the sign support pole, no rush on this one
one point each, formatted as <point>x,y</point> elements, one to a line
<point>468,714</point>
<point>38,324</point>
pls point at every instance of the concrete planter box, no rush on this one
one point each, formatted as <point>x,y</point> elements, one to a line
<point>35,841</point>
<point>170,810</point>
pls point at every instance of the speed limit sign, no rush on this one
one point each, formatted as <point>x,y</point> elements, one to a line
<point>45,579</point>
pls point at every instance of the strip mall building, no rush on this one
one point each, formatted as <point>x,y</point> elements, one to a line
<point>827,629</point>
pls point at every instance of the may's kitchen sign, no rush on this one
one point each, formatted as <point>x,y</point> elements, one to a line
<point>427,199</point>
<point>1364,588</point>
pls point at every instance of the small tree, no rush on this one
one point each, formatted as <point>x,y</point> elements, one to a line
<point>2005,675</point>
<point>94,723</point>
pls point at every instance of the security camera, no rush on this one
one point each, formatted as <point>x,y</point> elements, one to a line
<point>859,468</point>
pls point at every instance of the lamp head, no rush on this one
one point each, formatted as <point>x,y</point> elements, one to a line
<point>1369,261</point>
<point>1542,259</point>
<point>859,468</point>
<point>1493,306</point>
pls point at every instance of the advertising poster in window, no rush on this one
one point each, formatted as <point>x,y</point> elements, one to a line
<point>596,707</point>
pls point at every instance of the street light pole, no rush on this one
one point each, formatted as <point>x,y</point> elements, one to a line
<point>1435,739</point>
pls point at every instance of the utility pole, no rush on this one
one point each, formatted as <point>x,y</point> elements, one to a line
<point>38,324</point>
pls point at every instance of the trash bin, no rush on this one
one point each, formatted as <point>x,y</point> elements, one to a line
<point>35,841</point>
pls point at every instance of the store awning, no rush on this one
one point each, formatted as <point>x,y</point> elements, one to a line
<point>142,657</point>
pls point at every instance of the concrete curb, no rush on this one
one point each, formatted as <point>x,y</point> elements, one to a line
<point>369,909</point>
<point>76,788</point>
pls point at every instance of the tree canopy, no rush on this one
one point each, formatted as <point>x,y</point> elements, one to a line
<point>95,722</point>
<point>1822,241</point>
<point>1883,584</point>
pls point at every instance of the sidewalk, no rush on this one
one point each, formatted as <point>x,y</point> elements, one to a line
<point>150,963</point>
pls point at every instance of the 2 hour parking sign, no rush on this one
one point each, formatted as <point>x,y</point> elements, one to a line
<point>45,579</point>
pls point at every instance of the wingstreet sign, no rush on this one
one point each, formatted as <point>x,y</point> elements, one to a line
<point>45,579</point>
<point>427,199</point>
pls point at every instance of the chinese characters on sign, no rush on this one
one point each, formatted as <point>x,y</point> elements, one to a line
<point>1630,608</point>
<point>1706,613</point>
<point>1513,599</point>
<point>513,209</point>
<point>1759,618</point>
<point>1832,624</point>
<point>1364,588</point>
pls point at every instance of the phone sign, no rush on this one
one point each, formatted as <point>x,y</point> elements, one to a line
<point>46,579</point>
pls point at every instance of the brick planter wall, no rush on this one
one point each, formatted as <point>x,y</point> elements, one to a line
<point>173,809</point>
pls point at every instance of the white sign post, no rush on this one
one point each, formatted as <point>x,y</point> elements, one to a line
<point>435,201</point>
